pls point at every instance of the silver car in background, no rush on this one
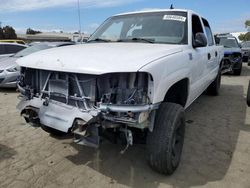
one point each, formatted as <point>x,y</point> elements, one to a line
<point>10,71</point>
<point>9,49</point>
<point>245,47</point>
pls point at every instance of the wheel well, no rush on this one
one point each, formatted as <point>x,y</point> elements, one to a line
<point>178,93</point>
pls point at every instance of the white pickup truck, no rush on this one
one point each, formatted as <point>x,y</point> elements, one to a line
<point>135,76</point>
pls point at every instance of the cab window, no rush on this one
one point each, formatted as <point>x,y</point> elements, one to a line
<point>196,26</point>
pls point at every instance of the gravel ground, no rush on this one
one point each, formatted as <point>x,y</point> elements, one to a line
<point>216,151</point>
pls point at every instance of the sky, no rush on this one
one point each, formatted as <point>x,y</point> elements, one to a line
<point>62,15</point>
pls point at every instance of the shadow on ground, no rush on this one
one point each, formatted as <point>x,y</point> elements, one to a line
<point>211,136</point>
<point>6,152</point>
<point>8,90</point>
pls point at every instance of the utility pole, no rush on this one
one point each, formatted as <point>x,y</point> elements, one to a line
<point>79,19</point>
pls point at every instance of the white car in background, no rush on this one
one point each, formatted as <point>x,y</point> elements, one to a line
<point>9,70</point>
<point>8,49</point>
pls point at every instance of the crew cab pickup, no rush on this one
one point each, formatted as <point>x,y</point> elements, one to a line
<point>136,75</point>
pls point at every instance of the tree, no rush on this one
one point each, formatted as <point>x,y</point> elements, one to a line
<point>30,31</point>
<point>247,24</point>
<point>1,33</point>
<point>9,32</point>
<point>246,37</point>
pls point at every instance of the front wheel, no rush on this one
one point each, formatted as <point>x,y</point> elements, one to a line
<point>165,143</point>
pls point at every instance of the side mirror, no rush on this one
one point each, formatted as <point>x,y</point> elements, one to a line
<point>217,40</point>
<point>200,40</point>
<point>240,45</point>
<point>248,95</point>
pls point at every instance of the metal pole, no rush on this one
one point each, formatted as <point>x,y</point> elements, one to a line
<point>79,19</point>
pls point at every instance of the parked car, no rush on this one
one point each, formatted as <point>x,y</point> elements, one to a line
<point>8,49</point>
<point>232,54</point>
<point>9,70</point>
<point>245,47</point>
<point>136,74</point>
<point>13,41</point>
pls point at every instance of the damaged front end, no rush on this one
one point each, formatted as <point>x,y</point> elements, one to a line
<point>87,104</point>
<point>231,61</point>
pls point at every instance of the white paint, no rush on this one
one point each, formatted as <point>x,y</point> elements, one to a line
<point>168,64</point>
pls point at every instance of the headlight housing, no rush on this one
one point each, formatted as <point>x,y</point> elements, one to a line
<point>13,69</point>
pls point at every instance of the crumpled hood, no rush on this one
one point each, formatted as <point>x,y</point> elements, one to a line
<point>7,62</point>
<point>99,58</point>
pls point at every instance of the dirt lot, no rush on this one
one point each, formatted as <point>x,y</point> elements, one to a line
<point>216,151</point>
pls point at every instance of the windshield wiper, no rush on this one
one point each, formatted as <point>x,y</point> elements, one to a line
<point>99,40</point>
<point>143,39</point>
<point>136,39</point>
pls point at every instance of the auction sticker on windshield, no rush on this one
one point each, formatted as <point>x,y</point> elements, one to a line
<point>175,18</point>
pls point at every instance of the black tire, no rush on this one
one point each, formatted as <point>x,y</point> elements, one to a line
<point>165,143</point>
<point>237,72</point>
<point>248,95</point>
<point>214,88</point>
<point>52,131</point>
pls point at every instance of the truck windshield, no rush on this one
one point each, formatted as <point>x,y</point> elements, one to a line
<point>159,27</point>
<point>229,43</point>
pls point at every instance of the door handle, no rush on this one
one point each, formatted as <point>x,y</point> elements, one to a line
<point>209,56</point>
<point>216,53</point>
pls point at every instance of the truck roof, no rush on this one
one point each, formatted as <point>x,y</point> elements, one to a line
<point>157,10</point>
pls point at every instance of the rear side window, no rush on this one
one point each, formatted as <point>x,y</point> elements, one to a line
<point>208,31</point>
<point>12,49</point>
<point>1,50</point>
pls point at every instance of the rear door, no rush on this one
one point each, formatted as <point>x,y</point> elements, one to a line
<point>212,53</point>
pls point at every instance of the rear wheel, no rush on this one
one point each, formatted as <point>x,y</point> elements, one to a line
<point>214,88</point>
<point>165,143</point>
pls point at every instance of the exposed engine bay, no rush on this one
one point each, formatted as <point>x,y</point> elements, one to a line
<point>84,104</point>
